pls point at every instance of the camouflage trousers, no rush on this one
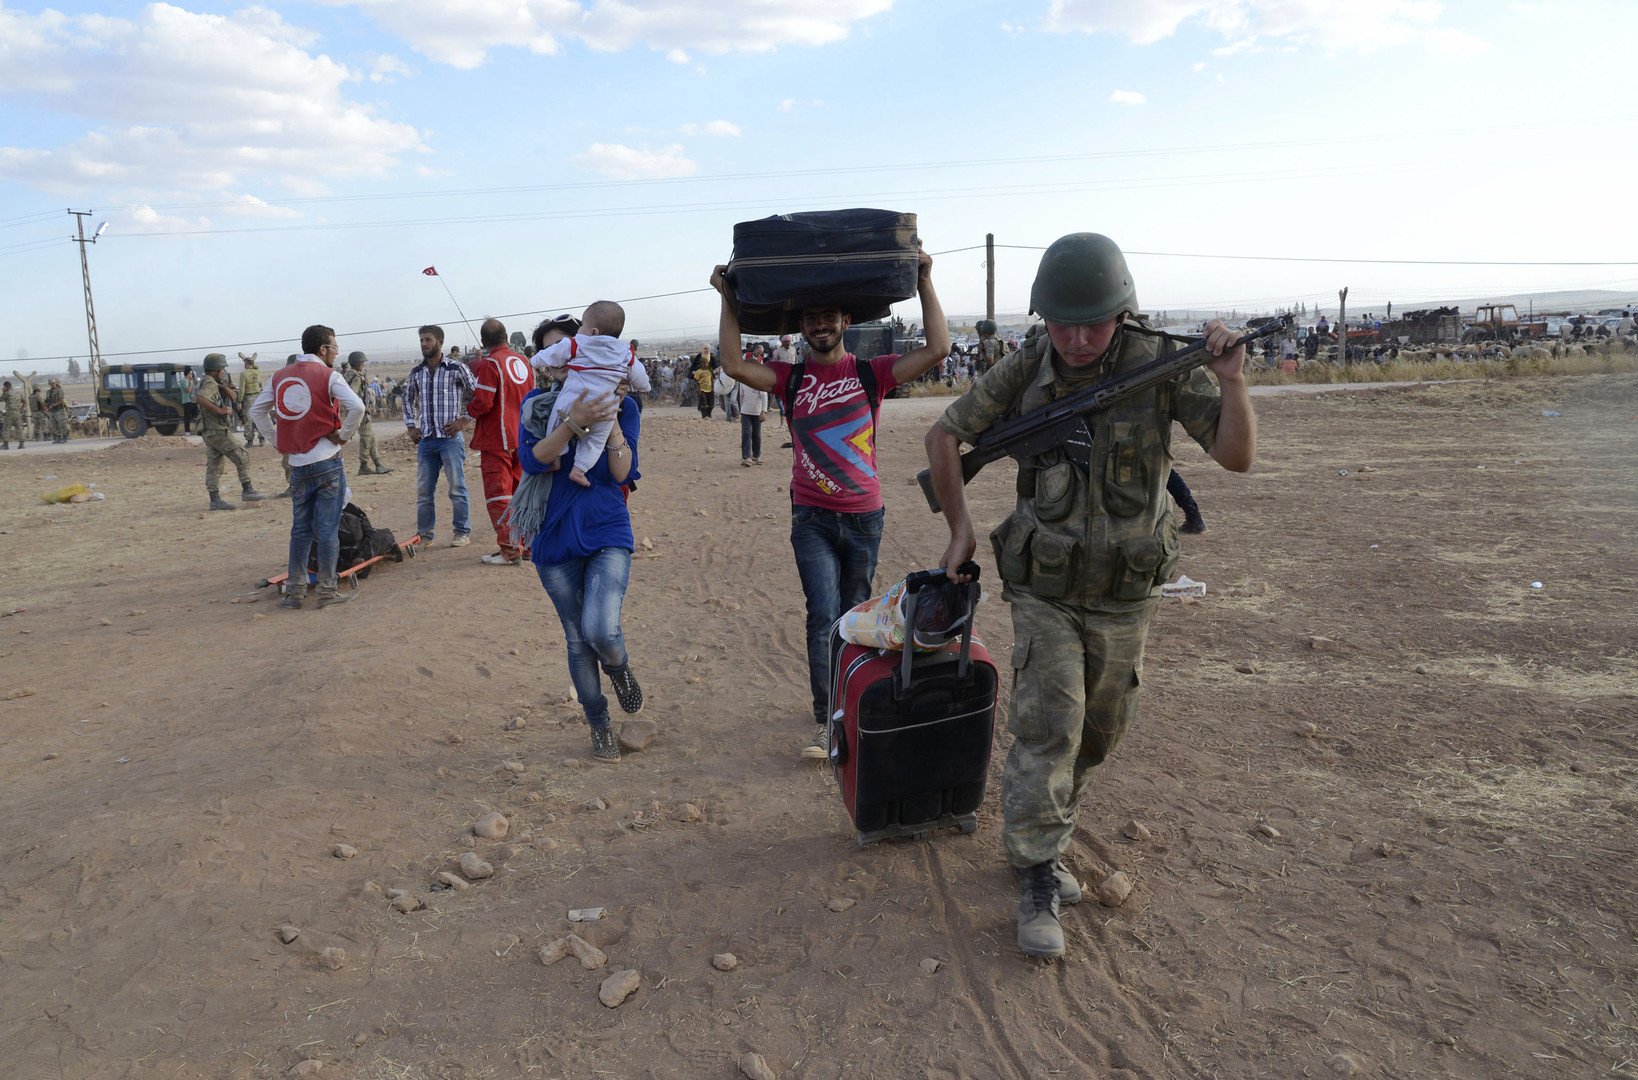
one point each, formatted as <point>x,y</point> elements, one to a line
<point>11,427</point>
<point>223,446</point>
<point>1076,674</point>
<point>59,424</point>
<point>367,453</point>
<point>42,426</point>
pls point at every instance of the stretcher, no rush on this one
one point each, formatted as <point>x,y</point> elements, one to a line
<point>407,548</point>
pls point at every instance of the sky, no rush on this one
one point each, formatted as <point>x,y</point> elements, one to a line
<point>265,167</point>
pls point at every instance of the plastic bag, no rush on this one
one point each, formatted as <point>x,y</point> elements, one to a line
<point>877,623</point>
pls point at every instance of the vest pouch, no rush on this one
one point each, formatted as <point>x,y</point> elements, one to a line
<point>1136,568</point>
<point>1055,491</point>
<point>1052,569</point>
<point>1010,541</point>
<point>1125,474</point>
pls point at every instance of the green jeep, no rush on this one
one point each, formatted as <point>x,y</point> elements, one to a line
<point>135,396</point>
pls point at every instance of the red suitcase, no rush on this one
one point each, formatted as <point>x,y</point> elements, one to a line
<point>910,732</point>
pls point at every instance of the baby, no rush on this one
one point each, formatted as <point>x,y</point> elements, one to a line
<point>596,361</point>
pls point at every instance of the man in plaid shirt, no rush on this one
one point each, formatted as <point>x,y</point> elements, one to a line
<point>435,396</point>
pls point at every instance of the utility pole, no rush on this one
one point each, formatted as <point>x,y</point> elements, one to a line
<point>989,276</point>
<point>95,362</point>
<point>1342,326</point>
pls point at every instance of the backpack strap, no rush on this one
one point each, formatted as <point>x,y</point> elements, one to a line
<point>867,383</point>
<point>791,384</point>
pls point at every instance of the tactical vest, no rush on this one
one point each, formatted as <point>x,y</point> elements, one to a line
<point>1102,537</point>
<point>359,383</point>
<point>214,423</point>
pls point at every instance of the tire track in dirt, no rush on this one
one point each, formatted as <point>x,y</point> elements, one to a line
<point>980,998</point>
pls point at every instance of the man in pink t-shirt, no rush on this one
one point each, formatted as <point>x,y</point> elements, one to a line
<point>836,501</point>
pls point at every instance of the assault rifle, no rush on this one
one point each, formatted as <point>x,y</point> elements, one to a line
<point>1051,425</point>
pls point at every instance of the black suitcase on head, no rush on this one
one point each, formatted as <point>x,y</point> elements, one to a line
<point>862,261</point>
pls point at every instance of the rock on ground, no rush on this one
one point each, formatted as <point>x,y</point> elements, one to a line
<point>1114,889</point>
<point>756,1067</point>
<point>725,961</point>
<point>475,868</point>
<point>492,826</point>
<point>618,987</point>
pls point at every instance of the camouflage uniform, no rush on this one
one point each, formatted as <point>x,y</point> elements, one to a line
<point>250,385</point>
<point>1081,558</point>
<point>11,424</point>
<point>221,444</point>
<point>38,410</point>
<point>57,408</point>
<point>359,383</point>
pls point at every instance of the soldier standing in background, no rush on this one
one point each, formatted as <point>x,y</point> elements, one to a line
<point>250,384</point>
<point>1088,544</point>
<point>11,416</point>
<point>359,383</point>
<point>57,408</point>
<point>990,347</point>
<point>218,402</point>
<point>36,407</point>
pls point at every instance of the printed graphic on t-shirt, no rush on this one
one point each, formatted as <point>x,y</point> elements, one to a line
<point>834,432</point>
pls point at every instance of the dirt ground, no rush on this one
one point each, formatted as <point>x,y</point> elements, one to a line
<point>1435,879</point>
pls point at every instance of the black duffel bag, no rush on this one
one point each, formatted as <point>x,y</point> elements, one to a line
<point>862,261</point>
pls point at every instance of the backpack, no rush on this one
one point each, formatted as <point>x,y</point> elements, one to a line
<point>867,383</point>
<point>360,542</point>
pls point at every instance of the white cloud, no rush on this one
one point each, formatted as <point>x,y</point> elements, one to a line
<point>251,207</point>
<point>386,68</point>
<point>787,105</point>
<point>145,219</point>
<point>463,34</point>
<point>677,56</point>
<point>1127,97</point>
<point>726,129</point>
<point>190,102</point>
<point>1357,25</point>
<point>636,163</point>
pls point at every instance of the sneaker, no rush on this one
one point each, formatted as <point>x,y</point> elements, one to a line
<point>745,463</point>
<point>605,746</point>
<point>756,461</point>
<point>626,690</point>
<point>1039,932</point>
<point>219,503</point>
<point>495,558</point>
<point>818,747</point>
<point>291,601</point>
<point>461,541</point>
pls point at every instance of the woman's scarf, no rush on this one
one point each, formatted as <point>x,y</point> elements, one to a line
<point>528,509</point>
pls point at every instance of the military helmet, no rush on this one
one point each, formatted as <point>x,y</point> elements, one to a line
<point>355,358</point>
<point>215,361</point>
<point>1083,279</point>
<point>986,327</point>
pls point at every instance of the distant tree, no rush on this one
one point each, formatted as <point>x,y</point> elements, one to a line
<point>73,370</point>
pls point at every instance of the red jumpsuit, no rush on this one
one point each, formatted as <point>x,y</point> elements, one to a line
<point>503,378</point>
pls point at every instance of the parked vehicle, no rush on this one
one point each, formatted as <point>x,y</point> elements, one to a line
<point>138,396</point>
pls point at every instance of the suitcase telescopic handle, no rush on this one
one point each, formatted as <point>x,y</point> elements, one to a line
<point>913,584</point>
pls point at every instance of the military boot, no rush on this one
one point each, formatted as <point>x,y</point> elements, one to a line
<point>381,470</point>
<point>1069,890</point>
<point>219,503</point>
<point>250,494</point>
<point>1193,523</point>
<point>1039,933</point>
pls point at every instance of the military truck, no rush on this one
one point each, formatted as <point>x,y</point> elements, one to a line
<point>139,396</point>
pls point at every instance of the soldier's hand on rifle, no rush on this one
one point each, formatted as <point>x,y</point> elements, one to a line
<point>1230,362</point>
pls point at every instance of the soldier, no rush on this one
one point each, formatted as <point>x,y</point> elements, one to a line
<point>217,402</point>
<point>359,383</point>
<point>11,416</point>
<point>250,384</point>
<point>990,347</point>
<point>36,407</point>
<point>57,408</point>
<point>1091,539</point>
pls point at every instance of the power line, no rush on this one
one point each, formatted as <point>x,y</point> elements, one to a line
<point>1335,259</point>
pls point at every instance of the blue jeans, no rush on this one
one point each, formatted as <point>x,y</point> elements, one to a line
<point>750,436</point>
<point>316,491</point>
<point>433,456</point>
<point>836,557</point>
<point>587,593</point>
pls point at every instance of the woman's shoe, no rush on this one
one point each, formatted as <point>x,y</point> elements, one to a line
<point>605,746</point>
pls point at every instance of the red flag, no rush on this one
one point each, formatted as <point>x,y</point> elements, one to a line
<point>431,271</point>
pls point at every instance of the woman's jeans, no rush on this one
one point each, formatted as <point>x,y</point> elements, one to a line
<point>447,456</point>
<point>836,558</point>
<point>587,593</point>
<point>316,491</point>
<point>750,435</point>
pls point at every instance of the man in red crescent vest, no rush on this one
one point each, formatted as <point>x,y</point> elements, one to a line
<point>503,379</point>
<point>317,414</point>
